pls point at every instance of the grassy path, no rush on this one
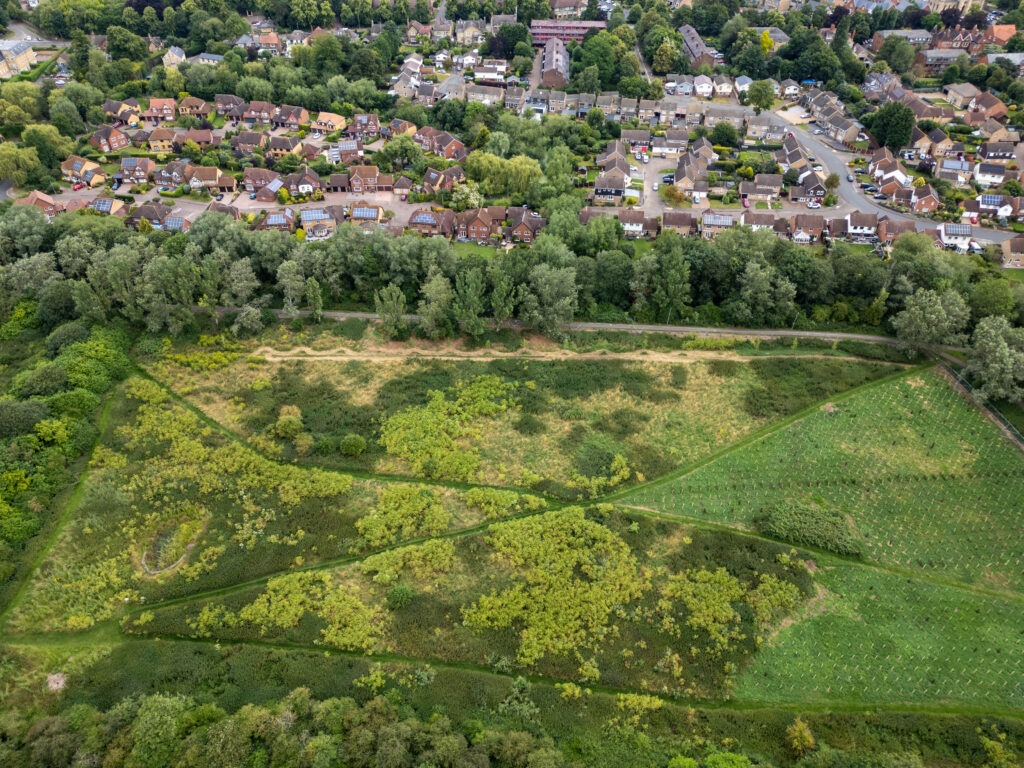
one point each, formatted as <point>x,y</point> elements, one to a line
<point>69,507</point>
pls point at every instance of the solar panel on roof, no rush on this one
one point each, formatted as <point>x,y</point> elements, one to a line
<point>423,218</point>
<point>958,229</point>
<point>364,213</point>
<point>991,199</point>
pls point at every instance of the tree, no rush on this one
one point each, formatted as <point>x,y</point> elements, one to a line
<point>389,303</point>
<point>799,738</point>
<point>666,58</point>
<point>17,164</point>
<point>931,318</point>
<point>314,299</point>
<point>550,300</point>
<point>466,196</point>
<point>725,135</point>
<point>240,283</point>
<point>832,182</point>
<point>892,125</point>
<point>765,297</point>
<point>997,359</point>
<point>898,53</point>
<point>761,95</point>
<point>291,284</point>
<point>50,146</point>
<point>23,229</point>
<point>468,305</point>
<point>435,307</point>
<point>992,297</point>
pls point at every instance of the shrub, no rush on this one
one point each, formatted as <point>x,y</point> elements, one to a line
<point>18,417</point>
<point>45,380</point>
<point>352,445</point>
<point>400,596</point>
<point>289,422</point>
<point>528,424</point>
<point>62,336</point>
<point>812,525</point>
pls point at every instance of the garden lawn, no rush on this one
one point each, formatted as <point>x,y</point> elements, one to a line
<point>924,480</point>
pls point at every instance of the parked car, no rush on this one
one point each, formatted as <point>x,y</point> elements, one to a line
<point>252,195</point>
<point>849,177</point>
<point>880,196</point>
<point>164,189</point>
<point>818,131</point>
<point>647,158</point>
<point>220,196</point>
<point>77,187</point>
<point>818,168</point>
<point>746,203</point>
<point>668,178</point>
<point>865,185</point>
<point>655,186</point>
<point>116,185</point>
<point>814,204</point>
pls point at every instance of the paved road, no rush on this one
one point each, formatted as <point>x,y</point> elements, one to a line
<point>22,30</point>
<point>643,64</point>
<point>852,198</point>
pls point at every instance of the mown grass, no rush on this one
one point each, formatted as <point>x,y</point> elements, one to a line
<point>881,638</point>
<point>925,479</point>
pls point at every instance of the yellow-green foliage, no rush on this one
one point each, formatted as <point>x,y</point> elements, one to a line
<point>707,598</point>
<point>427,436</point>
<point>496,503</point>
<point>424,561</point>
<point>350,623</point>
<point>634,707</point>
<point>570,574</point>
<point>403,511</point>
<point>770,598</point>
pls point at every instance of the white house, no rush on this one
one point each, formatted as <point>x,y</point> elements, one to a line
<point>703,86</point>
<point>859,224</point>
<point>989,174</point>
<point>790,88</point>
<point>743,84</point>
<point>956,236</point>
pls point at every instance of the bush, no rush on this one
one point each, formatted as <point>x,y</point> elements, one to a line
<point>812,525</point>
<point>69,333</point>
<point>528,424</point>
<point>352,445</point>
<point>18,417</point>
<point>400,596</point>
<point>289,423</point>
<point>45,380</point>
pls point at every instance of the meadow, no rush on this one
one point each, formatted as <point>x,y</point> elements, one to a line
<point>569,414</point>
<point>906,474</point>
<point>641,546</point>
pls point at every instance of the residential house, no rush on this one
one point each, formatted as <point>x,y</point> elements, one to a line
<point>109,139</point>
<point>225,103</point>
<point>160,110</point>
<point>764,129</point>
<point>890,229</point>
<point>327,122</point>
<point>255,179</point>
<point>435,181</point>
<point>956,38</point>
<point>989,106</point>
<point>364,214</point>
<point>996,206</point>
<point>703,86</point>
<point>289,117</point>
<point>764,187</point>
<point>279,146</point>
<point>695,50</point>
<point>940,143</point>
<point>78,170</point>
<point>135,170</point>
<point>258,113</point>
<point>440,143</point>
<point>638,140</point>
<point>347,151</point>
<point>317,224</point>
<point>399,127</point>
<point>960,95</point>
<point>554,64</point>
<point>758,220</point>
<point>303,183</point>
<point>245,143</point>
<point>916,37</point>
<point>366,179</point>
<point>861,225</point>
<point>212,179</point>
<point>171,175</point>
<point>568,9</point>
<point>713,115</point>
<point>269,192</point>
<point>155,214</point>
<point>998,152</point>
<point>523,225</point>
<point>365,127</point>
<point>416,31</point>
<point>108,206</point>
<point>924,200</point>
<point>841,129</point>
<point>430,222</point>
<point>935,60</point>
<point>161,141</point>
<point>681,222</point>
<point>173,57</point>
<point>480,225</point>
<point>123,112</point>
<point>50,207</point>
<point>278,220</point>
<point>955,236</point>
<point>712,224</point>
<point>611,185</point>
<point>957,172</point>
<point>807,228</point>
<point>16,56</point>
<point>723,85</point>
<point>201,137</point>
<point>790,89</point>
<point>989,174</point>
<point>1013,253</point>
<point>194,107</point>
<point>635,224</point>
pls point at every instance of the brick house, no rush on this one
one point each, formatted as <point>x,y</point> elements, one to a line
<point>109,139</point>
<point>481,224</point>
<point>433,222</point>
<point>366,179</point>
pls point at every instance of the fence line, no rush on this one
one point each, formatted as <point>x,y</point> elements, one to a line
<point>969,390</point>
